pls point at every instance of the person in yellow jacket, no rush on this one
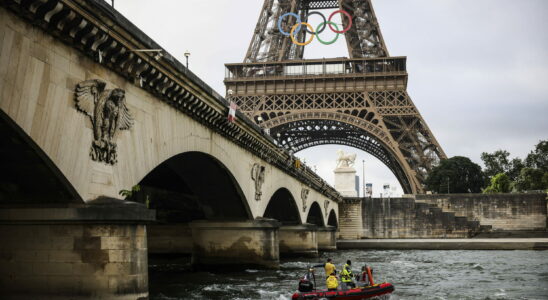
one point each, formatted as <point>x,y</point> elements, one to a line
<point>332,282</point>
<point>347,277</point>
<point>328,266</point>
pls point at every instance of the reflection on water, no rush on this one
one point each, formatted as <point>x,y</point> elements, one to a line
<point>415,274</point>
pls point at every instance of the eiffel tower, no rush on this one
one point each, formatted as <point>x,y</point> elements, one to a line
<point>360,101</point>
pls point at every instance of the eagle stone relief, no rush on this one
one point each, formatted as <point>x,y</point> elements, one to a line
<point>108,112</point>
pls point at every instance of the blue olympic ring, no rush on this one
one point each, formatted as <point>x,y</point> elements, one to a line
<point>282,18</point>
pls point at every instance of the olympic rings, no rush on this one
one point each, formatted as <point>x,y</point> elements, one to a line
<point>309,29</point>
<point>318,33</point>
<point>285,15</point>
<point>293,37</point>
<point>324,22</point>
<point>349,21</point>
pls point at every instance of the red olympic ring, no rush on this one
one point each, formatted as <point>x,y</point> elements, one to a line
<point>349,21</point>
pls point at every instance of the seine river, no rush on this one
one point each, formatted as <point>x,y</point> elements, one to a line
<point>415,274</point>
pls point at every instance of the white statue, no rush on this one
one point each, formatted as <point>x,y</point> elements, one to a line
<point>345,160</point>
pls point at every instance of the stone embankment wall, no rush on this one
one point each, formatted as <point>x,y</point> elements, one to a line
<point>503,212</point>
<point>404,218</point>
<point>444,216</point>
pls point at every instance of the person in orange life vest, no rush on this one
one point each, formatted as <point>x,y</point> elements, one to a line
<point>366,276</point>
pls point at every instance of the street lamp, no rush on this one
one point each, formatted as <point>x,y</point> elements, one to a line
<point>187,54</point>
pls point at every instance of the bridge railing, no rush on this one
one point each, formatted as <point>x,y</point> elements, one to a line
<point>317,67</point>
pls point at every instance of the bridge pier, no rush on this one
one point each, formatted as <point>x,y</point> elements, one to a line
<point>327,238</point>
<point>74,252</point>
<point>235,244</point>
<point>169,238</point>
<point>299,240</point>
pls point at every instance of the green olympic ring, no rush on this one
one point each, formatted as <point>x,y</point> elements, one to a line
<point>318,33</point>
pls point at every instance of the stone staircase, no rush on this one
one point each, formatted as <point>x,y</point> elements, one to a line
<point>499,215</point>
<point>406,218</point>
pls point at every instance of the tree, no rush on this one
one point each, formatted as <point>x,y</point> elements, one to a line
<point>499,162</point>
<point>500,183</point>
<point>496,162</point>
<point>530,179</point>
<point>456,175</point>
<point>516,165</point>
<point>545,180</point>
<point>538,158</point>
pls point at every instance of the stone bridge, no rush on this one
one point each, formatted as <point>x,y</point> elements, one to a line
<point>87,118</point>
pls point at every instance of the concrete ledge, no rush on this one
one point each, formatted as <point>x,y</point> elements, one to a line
<point>300,227</point>
<point>446,244</point>
<point>327,228</point>
<point>116,211</point>
<point>257,223</point>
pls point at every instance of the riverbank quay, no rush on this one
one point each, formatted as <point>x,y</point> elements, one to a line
<point>446,244</point>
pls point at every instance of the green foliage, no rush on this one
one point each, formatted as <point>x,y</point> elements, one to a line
<point>499,162</point>
<point>456,175</point>
<point>496,162</point>
<point>500,183</point>
<point>530,179</point>
<point>545,180</point>
<point>127,194</point>
<point>538,158</point>
<point>516,165</point>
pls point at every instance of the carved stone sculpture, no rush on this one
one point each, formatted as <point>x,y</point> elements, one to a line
<point>345,160</point>
<point>304,197</point>
<point>108,113</point>
<point>257,174</point>
<point>325,206</point>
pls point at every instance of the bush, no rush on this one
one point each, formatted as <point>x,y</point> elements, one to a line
<point>500,183</point>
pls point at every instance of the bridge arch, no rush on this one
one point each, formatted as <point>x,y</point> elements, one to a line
<point>193,185</point>
<point>332,219</point>
<point>299,131</point>
<point>28,174</point>
<point>315,215</point>
<point>283,207</point>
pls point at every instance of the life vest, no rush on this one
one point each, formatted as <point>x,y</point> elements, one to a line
<point>346,274</point>
<point>332,282</point>
<point>329,268</point>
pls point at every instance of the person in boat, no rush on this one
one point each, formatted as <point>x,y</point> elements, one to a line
<point>347,277</point>
<point>328,266</point>
<point>332,282</point>
<point>366,276</point>
<point>306,283</point>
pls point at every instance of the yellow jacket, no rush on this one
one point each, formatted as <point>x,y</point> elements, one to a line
<point>346,274</point>
<point>329,268</point>
<point>332,282</point>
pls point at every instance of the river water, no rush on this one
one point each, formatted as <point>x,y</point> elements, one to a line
<point>415,275</point>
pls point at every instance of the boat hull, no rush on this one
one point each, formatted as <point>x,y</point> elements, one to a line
<point>350,294</point>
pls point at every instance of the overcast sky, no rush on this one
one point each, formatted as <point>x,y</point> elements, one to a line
<point>478,69</point>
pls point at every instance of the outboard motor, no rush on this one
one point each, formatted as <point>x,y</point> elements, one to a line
<point>305,285</point>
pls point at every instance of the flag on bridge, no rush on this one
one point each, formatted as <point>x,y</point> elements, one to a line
<point>232,112</point>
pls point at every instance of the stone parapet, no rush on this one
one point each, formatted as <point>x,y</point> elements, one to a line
<point>74,253</point>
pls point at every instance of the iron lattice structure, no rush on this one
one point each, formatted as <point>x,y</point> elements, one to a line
<point>360,101</point>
